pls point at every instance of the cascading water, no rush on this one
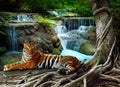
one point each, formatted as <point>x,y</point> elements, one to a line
<point>71,33</point>
<point>12,38</point>
<point>12,31</point>
<point>22,18</point>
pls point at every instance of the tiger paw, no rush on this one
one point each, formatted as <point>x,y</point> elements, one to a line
<point>6,67</point>
<point>62,71</point>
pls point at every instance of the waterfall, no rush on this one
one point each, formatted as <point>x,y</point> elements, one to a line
<point>24,18</point>
<point>71,32</point>
<point>12,31</point>
<point>12,38</point>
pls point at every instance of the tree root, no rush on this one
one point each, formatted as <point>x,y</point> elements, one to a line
<point>47,84</point>
<point>113,70</point>
<point>74,82</point>
<point>109,78</point>
<point>35,80</point>
<point>44,78</point>
<point>61,81</point>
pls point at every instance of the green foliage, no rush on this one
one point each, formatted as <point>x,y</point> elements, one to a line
<point>9,17</point>
<point>77,6</point>
<point>51,23</point>
<point>6,15</point>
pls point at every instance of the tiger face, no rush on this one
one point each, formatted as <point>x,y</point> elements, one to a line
<point>29,49</point>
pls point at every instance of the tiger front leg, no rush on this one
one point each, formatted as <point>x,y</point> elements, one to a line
<point>29,64</point>
<point>7,66</point>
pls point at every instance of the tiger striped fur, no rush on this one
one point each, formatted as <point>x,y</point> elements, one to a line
<point>33,58</point>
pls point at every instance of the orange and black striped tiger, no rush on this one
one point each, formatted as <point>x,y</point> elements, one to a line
<point>33,58</point>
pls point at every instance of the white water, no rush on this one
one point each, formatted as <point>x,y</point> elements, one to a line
<point>24,18</point>
<point>71,40</point>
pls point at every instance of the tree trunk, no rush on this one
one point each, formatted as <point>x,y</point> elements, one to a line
<point>100,74</point>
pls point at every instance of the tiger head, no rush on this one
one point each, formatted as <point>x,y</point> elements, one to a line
<point>29,48</point>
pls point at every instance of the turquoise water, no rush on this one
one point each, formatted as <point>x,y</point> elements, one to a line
<point>80,56</point>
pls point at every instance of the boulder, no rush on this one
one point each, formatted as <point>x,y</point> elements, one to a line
<point>88,46</point>
<point>46,38</point>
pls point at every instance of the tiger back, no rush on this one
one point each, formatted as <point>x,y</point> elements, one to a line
<point>33,58</point>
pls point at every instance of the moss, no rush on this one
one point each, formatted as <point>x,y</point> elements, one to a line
<point>51,23</point>
<point>7,15</point>
<point>70,14</point>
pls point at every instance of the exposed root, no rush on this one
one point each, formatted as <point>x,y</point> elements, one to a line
<point>109,78</point>
<point>103,9</point>
<point>28,84</point>
<point>113,70</point>
<point>44,78</point>
<point>61,81</point>
<point>85,82</point>
<point>47,84</point>
<point>74,82</point>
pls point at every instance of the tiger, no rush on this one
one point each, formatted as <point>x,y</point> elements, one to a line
<point>33,58</point>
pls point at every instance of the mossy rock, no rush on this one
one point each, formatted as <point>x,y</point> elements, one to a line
<point>87,48</point>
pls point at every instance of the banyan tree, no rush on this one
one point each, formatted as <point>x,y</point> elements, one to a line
<point>103,67</point>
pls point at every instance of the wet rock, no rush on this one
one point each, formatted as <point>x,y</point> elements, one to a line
<point>92,34</point>
<point>87,48</point>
